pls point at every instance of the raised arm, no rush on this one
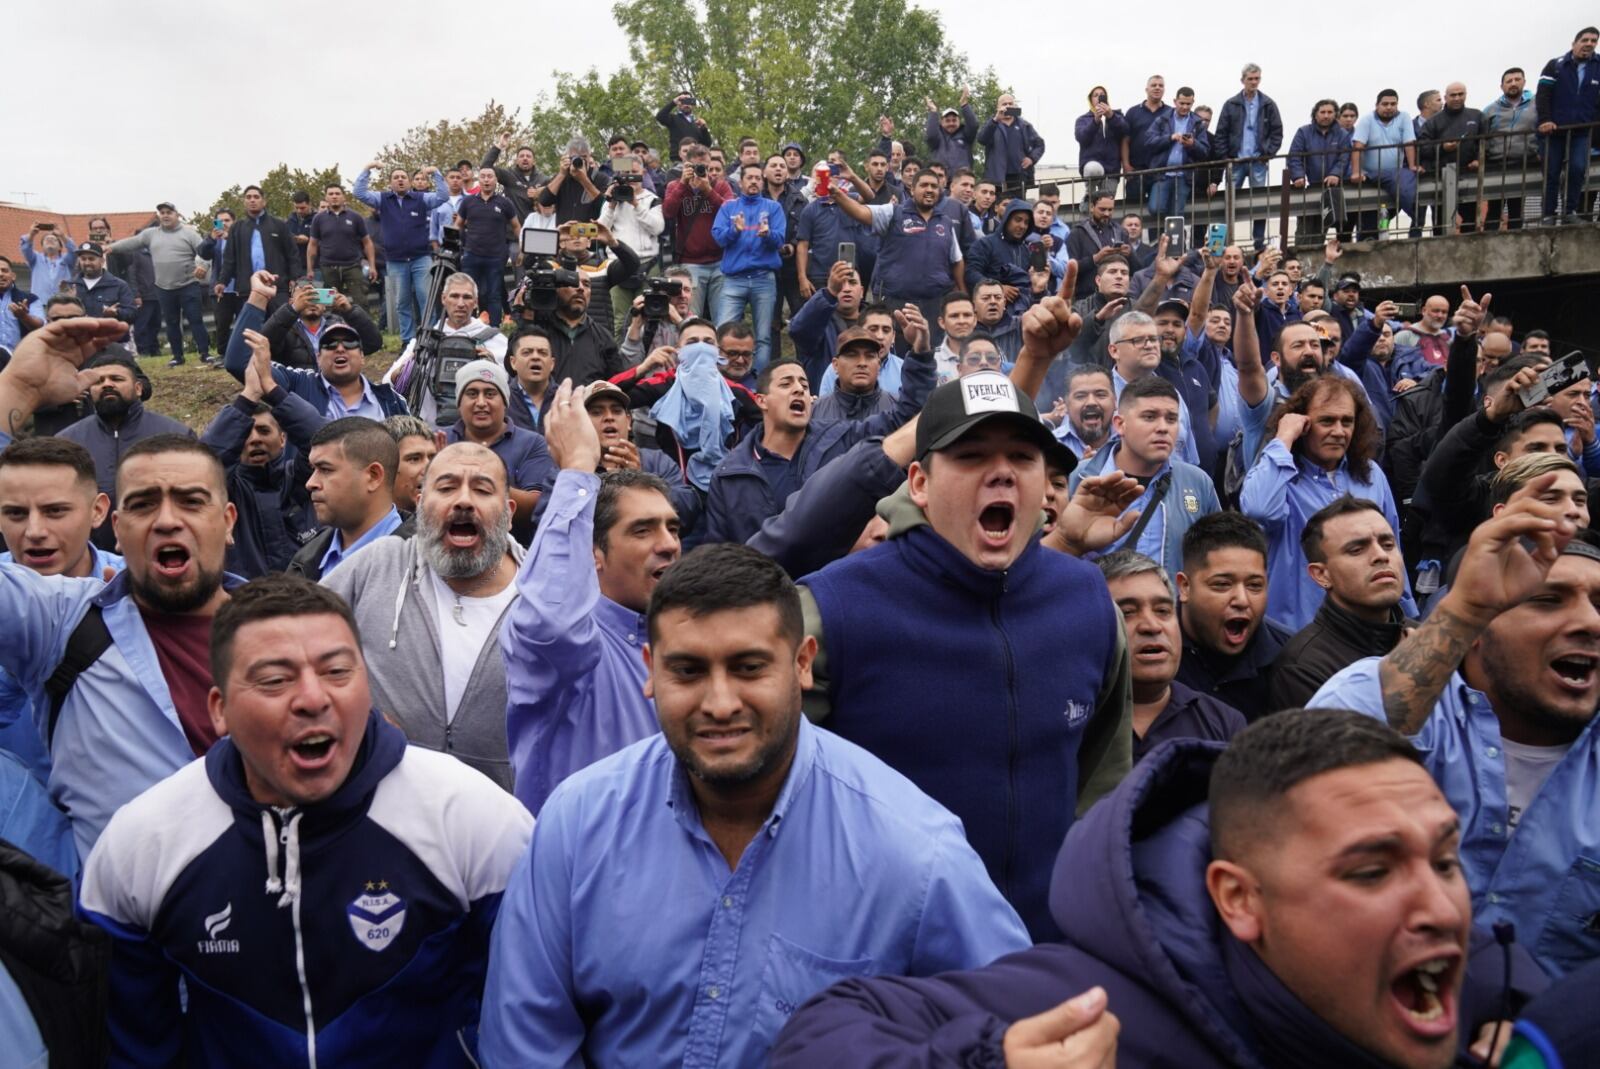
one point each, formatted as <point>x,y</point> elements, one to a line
<point>1505,562</point>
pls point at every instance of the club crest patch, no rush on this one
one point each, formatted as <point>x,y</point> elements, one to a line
<point>376,916</point>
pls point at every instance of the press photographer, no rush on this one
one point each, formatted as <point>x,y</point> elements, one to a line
<point>673,293</point>
<point>557,292</point>
<point>634,215</point>
<point>571,189</point>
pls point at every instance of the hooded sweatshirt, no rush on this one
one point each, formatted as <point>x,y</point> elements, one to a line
<point>1129,895</point>
<point>1002,257</point>
<point>396,602</point>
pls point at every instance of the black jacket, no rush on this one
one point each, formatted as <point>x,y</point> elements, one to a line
<point>680,126</point>
<point>291,347</point>
<point>1333,640</point>
<point>518,187</point>
<point>1228,139</point>
<point>583,353</point>
<point>1423,413</point>
<point>1455,485</point>
<point>307,564</point>
<point>277,246</point>
<point>1239,681</point>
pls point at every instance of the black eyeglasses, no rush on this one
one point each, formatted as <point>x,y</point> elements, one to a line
<point>343,345</point>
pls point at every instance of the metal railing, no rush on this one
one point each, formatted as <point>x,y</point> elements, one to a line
<point>1497,181</point>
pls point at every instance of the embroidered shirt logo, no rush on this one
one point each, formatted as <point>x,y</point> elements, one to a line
<point>215,925</point>
<point>376,916</point>
<point>1077,712</point>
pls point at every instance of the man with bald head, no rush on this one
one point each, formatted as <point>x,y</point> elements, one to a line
<point>429,608</point>
<point>1449,148</point>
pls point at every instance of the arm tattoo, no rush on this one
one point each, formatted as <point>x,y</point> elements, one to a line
<point>1417,671</point>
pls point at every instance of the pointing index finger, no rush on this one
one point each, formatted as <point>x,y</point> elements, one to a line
<point>1069,281</point>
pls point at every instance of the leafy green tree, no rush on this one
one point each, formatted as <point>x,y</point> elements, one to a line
<point>443,143</point>
<point>277,185</point>
<point>775,70</point>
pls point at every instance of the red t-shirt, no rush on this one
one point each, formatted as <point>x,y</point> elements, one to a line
<point>183,646</point>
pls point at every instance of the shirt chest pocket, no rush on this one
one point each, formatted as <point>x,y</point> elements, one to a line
<point>1571,934</point>
<point>792,975</point>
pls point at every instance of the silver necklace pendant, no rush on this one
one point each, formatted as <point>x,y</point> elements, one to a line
<point>458,612</point>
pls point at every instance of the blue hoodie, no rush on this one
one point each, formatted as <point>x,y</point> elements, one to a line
<point>744,248</point>
<point>1129,894</point>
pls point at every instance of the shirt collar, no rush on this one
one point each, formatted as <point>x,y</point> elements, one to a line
<point>681,797</point>
<point>337,553</point>
<point>333,392</point>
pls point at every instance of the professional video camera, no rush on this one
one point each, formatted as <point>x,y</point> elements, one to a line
<point>658,296</point>
<point>627,175</point>
<point>543,275</point>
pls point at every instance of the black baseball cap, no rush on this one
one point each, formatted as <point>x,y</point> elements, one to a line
<point>92,247</point>
<point>961,405</point>
<point>1346,282</point>
<point>1174,304</point>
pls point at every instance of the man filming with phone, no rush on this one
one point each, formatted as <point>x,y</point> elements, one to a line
<point>295,329</point>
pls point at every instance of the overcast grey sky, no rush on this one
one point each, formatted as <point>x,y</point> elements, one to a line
<point>196,95</point>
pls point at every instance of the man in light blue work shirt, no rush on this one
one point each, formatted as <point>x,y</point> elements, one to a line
<point>571,639</point>
<point>1384,149</point>
<point>1498,689</point>
<point>682,898</point>
<point>353,461</point>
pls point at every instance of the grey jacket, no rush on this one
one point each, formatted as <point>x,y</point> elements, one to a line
<point>396,606</point>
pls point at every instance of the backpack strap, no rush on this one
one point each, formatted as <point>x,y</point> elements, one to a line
<point>87,642</point>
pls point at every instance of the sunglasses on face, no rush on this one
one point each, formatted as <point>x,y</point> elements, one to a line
<point>343,345</point>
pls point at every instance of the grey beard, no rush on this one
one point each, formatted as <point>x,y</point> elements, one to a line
<point>449,563</point>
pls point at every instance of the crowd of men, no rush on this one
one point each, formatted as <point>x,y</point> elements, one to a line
<point>1011,644</point>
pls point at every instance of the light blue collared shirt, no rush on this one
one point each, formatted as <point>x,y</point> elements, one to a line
<point>368,405</point>
<point>1545,875</point>
<point>337,553</point>
<point>624,939</point>
<point>1252,119</point>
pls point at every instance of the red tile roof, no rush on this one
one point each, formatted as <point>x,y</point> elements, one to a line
<point>16,219</point>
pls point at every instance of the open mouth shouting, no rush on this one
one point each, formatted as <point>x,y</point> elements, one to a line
<point>996,524</point>
<point>463,531</point>
<point>312,751</point>
<point>172,560</point>
<point>1151,653</point>
<point>1236,630</point>
<point>1424,996</point>
<point>1574,672</point>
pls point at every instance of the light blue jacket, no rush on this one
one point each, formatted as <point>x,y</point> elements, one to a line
<point>22,711</point>
<point>119,732</point>
<point>1545,877</point>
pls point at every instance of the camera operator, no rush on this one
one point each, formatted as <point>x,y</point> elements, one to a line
<point>634,215</point>
<point>604,259</point>
<point>571,189</point>
<point>460,319</point>
<point>680,306</point>
<point>582,345</point>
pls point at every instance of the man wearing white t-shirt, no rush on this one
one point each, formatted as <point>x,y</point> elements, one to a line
<point>430,608</point>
